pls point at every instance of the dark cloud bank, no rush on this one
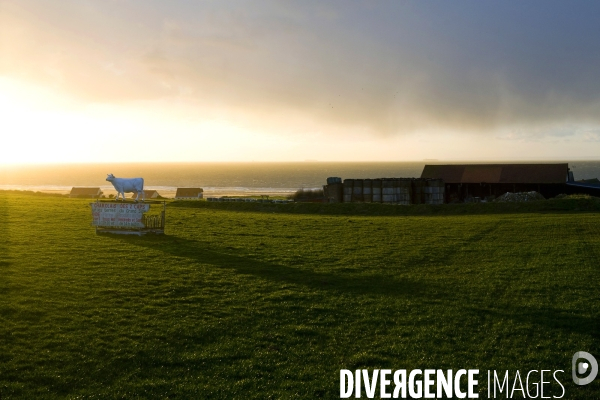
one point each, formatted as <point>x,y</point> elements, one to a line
<point>392,67</point>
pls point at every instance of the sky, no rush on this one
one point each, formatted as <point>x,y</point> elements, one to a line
<point>158,81</point>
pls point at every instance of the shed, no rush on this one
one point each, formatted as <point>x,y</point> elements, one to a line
<point>189,193</point>
<point>148,194</point>
<point>86,192</point>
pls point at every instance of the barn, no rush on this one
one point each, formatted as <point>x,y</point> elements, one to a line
<point>484,180</point>
<point>85,192</point>
<point>148,194</point>
<point>189,194</point>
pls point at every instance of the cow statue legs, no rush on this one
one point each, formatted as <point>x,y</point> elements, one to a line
<point>138,196</point>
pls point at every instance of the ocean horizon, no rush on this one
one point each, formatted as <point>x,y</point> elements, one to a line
<point>225,178</point>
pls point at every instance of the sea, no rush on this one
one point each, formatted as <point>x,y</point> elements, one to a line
<point>224,178</point>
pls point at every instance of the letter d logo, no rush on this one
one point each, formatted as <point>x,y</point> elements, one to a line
<point>583,367</point>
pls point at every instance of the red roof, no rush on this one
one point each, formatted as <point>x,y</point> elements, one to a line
<point>148,194</point>
<point>498,173</point>
<point>85,191</point>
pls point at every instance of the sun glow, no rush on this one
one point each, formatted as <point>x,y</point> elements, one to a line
<point>43,127</point>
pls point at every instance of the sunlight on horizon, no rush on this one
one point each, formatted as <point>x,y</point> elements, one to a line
<point>46,127</point>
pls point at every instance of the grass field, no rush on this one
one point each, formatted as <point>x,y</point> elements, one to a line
<point>257,301</point>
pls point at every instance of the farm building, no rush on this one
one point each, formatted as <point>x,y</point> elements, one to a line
<point>483,180</point>
<point>148,194</point>
<point>189,194</point>
<point>451,183</point>
<point>85,192</point>
<point>384,190</point>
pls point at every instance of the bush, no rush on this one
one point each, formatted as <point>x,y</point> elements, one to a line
<point>307,194</point>
<point>519,197</point>
<point>573,196</point>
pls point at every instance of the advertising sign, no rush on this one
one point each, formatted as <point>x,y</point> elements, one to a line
<point>122,215</point>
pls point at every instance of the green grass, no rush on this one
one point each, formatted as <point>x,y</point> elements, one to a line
<point>247,300</point>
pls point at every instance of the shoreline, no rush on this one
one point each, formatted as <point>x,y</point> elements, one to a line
<point>166,192</point>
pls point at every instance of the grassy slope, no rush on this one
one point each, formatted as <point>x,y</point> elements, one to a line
<point>259,301</point>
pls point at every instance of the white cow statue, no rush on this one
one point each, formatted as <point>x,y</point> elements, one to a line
<point>125,185</point>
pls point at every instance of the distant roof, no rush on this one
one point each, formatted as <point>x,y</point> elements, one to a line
<point>147,193</point>
<point>593,181</point>
<point>85,191</point>
<point>498,173</point>
<point>188,192</point>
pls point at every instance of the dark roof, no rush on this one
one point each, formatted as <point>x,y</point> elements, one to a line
<point>583,185</point>
<point>147,193</point>
<point>593,181</point>
<point>85,191</point>
<point>188,192</point>
<point>498,173</point>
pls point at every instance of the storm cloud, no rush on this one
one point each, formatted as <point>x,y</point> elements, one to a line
<point>388,67</point>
